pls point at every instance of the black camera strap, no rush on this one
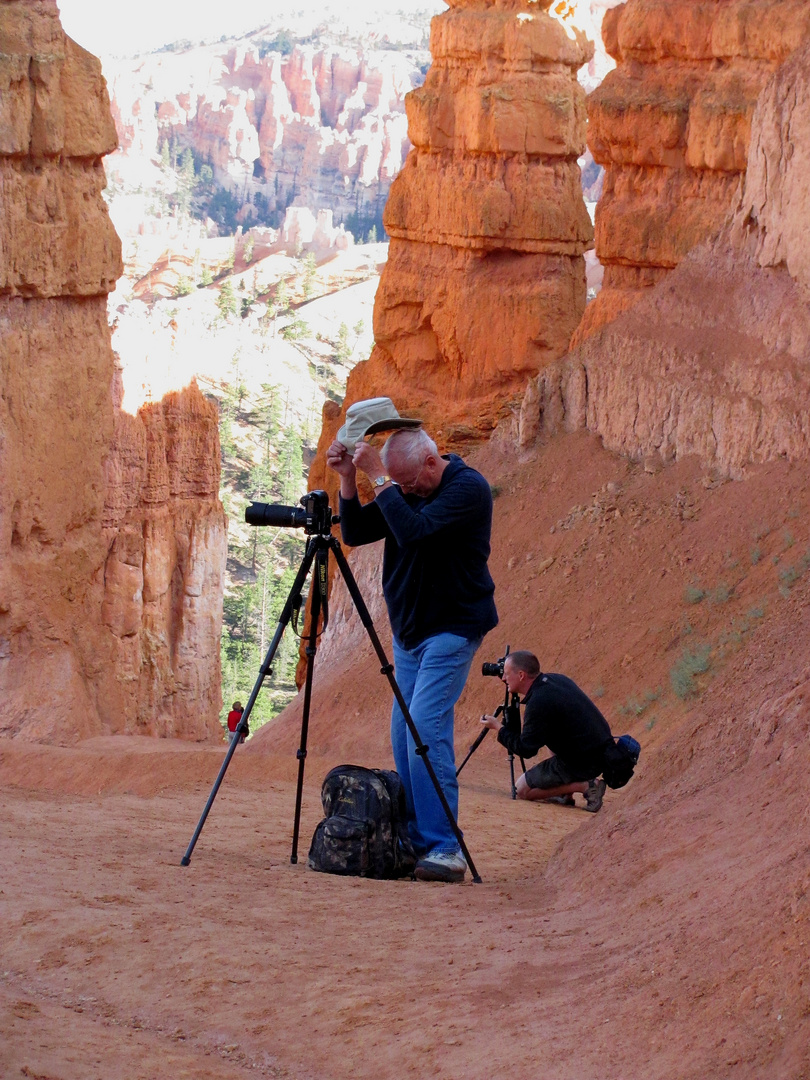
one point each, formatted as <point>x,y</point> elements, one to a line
<point>320,581</point>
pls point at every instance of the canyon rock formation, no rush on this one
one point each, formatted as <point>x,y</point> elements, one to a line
<point>671,125</point>
<point>712,361</point>
<point>324,127</point>
<point>101,628</point>
<point>166,538</point>
<point>485,279</point>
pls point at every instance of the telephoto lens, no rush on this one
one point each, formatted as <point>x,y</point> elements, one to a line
<point>285,517</point>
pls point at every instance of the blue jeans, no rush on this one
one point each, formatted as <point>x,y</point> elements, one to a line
<point>431,677</point>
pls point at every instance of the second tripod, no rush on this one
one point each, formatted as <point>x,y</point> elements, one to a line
<point>511,720</point>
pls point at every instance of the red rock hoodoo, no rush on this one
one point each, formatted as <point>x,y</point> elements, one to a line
<point>324,127</point>
<point>100,630</point>
<point>485,279</point>
<point>163,577</point>
<point>671,124</point>
<point>712,361</point>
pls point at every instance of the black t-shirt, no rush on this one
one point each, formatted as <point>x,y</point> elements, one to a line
<point>562,717</point>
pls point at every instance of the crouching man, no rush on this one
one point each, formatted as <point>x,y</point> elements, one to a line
<point>562,717</point>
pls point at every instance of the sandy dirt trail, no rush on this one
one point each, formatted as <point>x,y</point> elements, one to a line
<point>119,962</point>
<point>665,938</point>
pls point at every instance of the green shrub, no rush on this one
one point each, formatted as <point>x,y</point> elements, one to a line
<point>721,594</point>
<point>184,287</point>
<point>691,663</point>
<point>692,594</point>
<point>634,707</point>
<point>788,578</point>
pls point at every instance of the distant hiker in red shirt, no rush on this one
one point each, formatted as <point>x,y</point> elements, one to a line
<point>234,716</point>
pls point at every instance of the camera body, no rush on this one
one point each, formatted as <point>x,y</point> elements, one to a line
<point>314,515</point>
<point>496,669</point>
<point>511,706</point>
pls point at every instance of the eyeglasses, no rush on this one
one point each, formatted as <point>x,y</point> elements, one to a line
<point>408,487</point>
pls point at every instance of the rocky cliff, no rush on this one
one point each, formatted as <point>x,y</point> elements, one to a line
<point>671,125</point>
<point>713,361</point>
<point>166,538</point>
<point>324,127</point>
<point>485,279</point>
<point>65,607</point>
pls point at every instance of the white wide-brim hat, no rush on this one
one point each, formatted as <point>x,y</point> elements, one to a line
<point>366,417</point>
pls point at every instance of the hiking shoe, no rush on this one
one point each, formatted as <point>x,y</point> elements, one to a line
<point>561,800</point>
<point>594,795</point>
<point>441,866</point>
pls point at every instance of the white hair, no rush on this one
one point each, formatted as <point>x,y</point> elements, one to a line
<point>410,446</point>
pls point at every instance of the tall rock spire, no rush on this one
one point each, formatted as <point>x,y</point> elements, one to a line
<point>485,280</point>
<point>672,124</point>
<point>112,536</point>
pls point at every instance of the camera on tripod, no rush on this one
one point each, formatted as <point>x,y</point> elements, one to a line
<point>496,669</point>
<point>314,515</point>
<point>511,705</point>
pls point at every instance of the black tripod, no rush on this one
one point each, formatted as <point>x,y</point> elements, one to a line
<point>317,519</point>
<point>511,711</point>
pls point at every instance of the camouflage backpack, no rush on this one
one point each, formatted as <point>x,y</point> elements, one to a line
<point>364,831</point>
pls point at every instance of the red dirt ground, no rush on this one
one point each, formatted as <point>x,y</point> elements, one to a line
<point>664,938</point>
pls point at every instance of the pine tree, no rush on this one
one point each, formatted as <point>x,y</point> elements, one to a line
<point>310,270</point>
<point>290,480</point>
<point>268,415</point>
<point>343,352</point>
<point>226,301</point>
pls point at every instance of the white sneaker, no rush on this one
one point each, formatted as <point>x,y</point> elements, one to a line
<point>441,866</point>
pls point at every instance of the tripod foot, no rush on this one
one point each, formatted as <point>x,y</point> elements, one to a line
<point>185,861</point>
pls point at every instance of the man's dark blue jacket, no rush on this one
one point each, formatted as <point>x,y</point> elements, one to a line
<point>435,575</point>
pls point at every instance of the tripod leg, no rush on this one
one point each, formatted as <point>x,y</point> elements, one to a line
<point>284,618</point>
<point>512,775</point>
<point>473,748</point>
<point>312,644</point>
<point>388,670</point>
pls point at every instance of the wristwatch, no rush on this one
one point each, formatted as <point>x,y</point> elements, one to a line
<point>379,481</point>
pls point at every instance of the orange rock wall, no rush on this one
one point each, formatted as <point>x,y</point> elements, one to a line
<point>713,362</point>
<point>671,125</point>
<point>166,542</point>
<point>485,279</point>
<point>62,601</point>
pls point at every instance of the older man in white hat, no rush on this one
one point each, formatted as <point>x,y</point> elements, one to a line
<point>435,515</point>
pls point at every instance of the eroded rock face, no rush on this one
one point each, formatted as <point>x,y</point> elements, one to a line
<point>715,360</point>
<point>324,127</point>
<point>672,125</point>
<point>70,588</point>
<point>485,279</point>
<point>163,575</point>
